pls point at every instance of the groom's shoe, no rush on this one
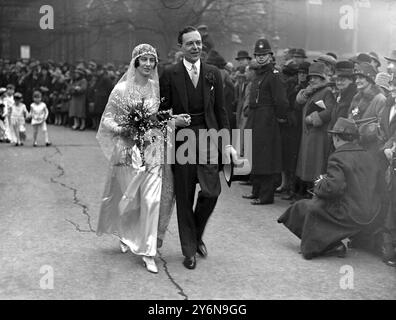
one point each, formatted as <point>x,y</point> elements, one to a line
<point>201,249</point>
<point>190,262</point>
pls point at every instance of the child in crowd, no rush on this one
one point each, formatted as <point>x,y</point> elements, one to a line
<point>18,116</point>
<point>3,137</point>
<point>39,114</point>
<point>8,101</point>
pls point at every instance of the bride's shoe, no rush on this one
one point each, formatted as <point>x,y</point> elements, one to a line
<point>124,248</point>
<point>149,263</point>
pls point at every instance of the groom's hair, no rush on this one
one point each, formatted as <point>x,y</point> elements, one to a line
<point>183,31</point>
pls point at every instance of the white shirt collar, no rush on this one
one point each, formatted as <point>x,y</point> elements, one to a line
<point>188,65</point>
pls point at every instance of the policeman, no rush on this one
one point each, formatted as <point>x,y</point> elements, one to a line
<point>268,104</point>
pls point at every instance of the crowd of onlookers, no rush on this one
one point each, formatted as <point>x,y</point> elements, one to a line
<point>315,95</point>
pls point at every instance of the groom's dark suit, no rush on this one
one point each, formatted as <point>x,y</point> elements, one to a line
<point>205,104</point>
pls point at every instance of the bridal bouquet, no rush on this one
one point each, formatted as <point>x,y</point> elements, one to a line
<point>143,126</point>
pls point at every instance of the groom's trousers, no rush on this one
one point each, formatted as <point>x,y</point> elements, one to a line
<point>192,221</point>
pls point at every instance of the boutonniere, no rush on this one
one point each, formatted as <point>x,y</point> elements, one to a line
<point>211,79</point>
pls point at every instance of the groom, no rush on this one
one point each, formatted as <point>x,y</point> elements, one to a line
<point>194,90</point>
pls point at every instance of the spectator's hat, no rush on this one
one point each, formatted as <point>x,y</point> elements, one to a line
<point>344,69</point>
<point>345,126</point>
<point>332,54</point>
<point>304,67</point>
<point>229,67</point>
<point>214,58</point>
<point>366,70</point>
<point>299,53</point>
<point>375,57</point>
<point>317,69</point>
<point>92,64</point>
<point>18,96</point>
<point>10,86</point>
<point>262,46</point>
<point>383,80</point>
<point>243,55</point>
<point>392,57</point>
<point>110,66</point>
<point>237,172</point>
<point>80,70</point>
<point>2,91</point>
<point>202,27</point>
<point>325,58</point>
<point>361,57</point>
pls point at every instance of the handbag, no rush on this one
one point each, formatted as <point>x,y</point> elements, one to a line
<point>369,130</point>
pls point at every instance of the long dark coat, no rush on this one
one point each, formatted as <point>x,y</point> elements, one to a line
<point>343,103</point>
<point>290,129</point>
<point>102,90</point>
<point>267,103</point>
<point>348,200</point>
<point>389,131</point>
<point>314,145</point>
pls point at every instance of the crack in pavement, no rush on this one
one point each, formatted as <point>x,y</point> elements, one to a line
<point>76,201</point>
<point>85,211</point>
<point>181,291</point>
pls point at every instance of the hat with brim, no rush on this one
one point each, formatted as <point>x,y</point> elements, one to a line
<point>237,172</point>
<point>317,69</point>
<point>80,71</point>
<point>383,80</point>
<point>326,59</point>
<point>345,126</point>
<point>392,56</point>
<point>299,53</point>
<point>366,70</point>
<point>3,90</point>
<point>375,57</point>
<point>344,69</point>
<point>243,55</point>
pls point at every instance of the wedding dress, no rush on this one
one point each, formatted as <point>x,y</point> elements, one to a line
<point>138,198</point>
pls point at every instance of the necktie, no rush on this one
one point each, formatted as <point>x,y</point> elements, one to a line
<point>194,75</point>
<point>392,113</point>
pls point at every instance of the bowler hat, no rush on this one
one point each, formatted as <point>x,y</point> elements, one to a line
<point>383,80</point>
<point>317,69</point>
<point>299,53</point>
<point>237,172</point>
<point>375,57</point>
<point>326,59</point>
<point>345,126</point>
<point>344,69</point>
<point>262,46</point>
<point>366,70</point>
<point>392,56</point>
<point>243,55</point>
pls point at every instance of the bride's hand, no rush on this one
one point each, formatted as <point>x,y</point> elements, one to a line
<point>182,120</point>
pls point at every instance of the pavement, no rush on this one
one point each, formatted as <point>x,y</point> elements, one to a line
<point>49,204</point>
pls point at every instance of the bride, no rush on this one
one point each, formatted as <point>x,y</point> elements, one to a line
<point>138,197</point>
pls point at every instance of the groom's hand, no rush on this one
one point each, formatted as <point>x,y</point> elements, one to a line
<point>231,153</point>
